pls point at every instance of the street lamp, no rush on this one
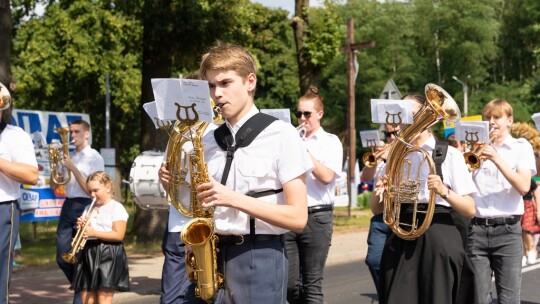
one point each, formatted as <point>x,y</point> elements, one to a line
<point>465,91</point>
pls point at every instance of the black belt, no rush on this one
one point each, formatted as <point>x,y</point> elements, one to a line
<point>320,208</point>
<point>247,238</point>
<point>8,202</point>
<point>495,221</point>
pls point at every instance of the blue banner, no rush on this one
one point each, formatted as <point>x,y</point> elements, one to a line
<point>39,202</point>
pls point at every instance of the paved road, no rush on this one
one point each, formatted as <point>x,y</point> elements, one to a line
<point>351,283</point>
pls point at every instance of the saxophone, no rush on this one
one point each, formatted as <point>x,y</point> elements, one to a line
<point>198,233</point>
<point>402,183</point>
<point>78,242</point>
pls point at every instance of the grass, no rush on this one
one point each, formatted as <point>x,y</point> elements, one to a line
<point>39,239</point>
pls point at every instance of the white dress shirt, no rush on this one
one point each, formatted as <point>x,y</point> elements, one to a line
<point>87,161</point>
<point>327,149</point>
<point>496,197</point>
<point>15,146</point>
<point>102,217</point>
<point>274,158</point>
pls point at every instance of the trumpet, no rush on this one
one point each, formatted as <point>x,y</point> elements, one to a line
<point>371,159</point>
<point>302,129</point>
<point>474,157</point>
<point>78,242</point>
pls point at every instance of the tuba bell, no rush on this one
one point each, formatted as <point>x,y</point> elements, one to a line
<point>59,174</point>
<point>402,184</point>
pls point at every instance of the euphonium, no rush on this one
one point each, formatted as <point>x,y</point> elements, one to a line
<point>59,174</point>
<point>400,186</point>
<point>78,242</point>
<point>473,158</point>
<point>198,233</point>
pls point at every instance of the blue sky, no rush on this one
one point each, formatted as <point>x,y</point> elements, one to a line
<point>286,4</point>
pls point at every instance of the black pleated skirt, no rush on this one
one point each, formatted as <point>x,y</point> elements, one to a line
<point>102,265</point>
<point>431,269</point>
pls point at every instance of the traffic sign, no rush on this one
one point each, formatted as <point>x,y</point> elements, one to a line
<point>390,91</point>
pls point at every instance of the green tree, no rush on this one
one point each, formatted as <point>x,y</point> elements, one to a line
<point>61,61</point>
<point>5,46</point>
<point>318,36</point>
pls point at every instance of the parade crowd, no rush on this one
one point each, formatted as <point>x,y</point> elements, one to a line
<point>265,189</point>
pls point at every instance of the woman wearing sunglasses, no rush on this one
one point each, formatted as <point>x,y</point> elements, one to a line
<point>310,247</point>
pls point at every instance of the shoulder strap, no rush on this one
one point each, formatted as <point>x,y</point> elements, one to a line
<point>247,133</point>
<point>439,155</point>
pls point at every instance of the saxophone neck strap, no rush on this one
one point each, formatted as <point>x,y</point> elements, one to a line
<point>247,133</point>
<point>439,155</point>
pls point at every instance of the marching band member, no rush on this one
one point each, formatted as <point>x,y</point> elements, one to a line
<point>81,164</point>
<point>250,229</point>
<point>432,268</point>
<point>378,230</point>
<point>308,250</point>
<point>18,165</point>
<point>494,242</point>
<point>249,250</point>
<point>103,267</point>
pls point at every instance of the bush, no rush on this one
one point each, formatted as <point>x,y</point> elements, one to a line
<point>363,200</point>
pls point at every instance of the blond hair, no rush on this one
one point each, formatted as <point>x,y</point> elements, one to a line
<point>103,178</point>
<point>312,94</point>
<point>497,107</point>
<point>228,57</point>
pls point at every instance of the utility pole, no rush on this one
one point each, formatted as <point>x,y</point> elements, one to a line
<point>352,48</point>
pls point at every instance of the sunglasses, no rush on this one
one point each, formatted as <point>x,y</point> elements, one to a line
<point>388,134</point>
<point>307,114</point>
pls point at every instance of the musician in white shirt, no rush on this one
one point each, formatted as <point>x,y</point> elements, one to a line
<point>18,165</point>
<point>504,176</point>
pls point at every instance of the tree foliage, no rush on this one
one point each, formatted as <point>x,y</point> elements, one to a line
<point>61,61</point>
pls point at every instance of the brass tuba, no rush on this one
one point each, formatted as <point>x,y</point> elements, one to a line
<point>198,233</point>
<point>403,186</point>
<point>59,174</point>
<point>78,242</point>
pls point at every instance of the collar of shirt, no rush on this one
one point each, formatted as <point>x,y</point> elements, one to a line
<point>84,151</point>
<point>319,132</point>
<point>429,144</point>
<point>508,141</point>
<point>234,129</point>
